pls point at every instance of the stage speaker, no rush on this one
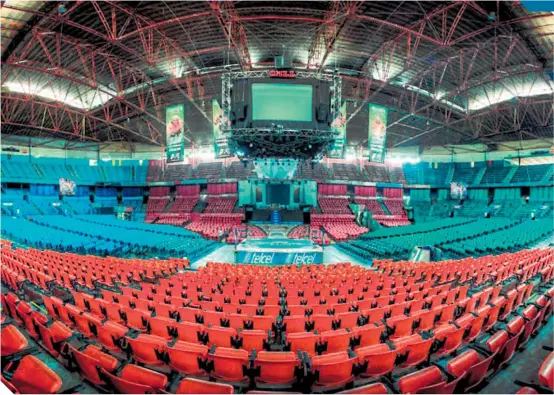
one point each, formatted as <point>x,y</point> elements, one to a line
<point>322,113</point>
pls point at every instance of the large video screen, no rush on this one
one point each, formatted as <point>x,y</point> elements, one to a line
<point>282,102</point>
<point>278,194</point>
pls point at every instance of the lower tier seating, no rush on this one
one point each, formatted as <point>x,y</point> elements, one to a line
<point>225,327</point>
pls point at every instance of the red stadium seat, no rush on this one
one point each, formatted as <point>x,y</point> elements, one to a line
<point>162,326</point>
<point>375,388</point>
<point>332,370</point>
<point>473,364</point>
<point>186,358</point>
<point>228,365</point>
<point>379,359</point>
<point>188,331</point>
<point>416,348</point>
<point>134,379</point>
<point>53,336</point>
<point>220,336</point>
<point>91,360</point>
<point>369,334</point>
<point>427,381</point>
<point>12,340</point>
<point>335,341</point>
<point>276,368</point>
<point>303,341</point>
<point>110,333</point>
<point>546,372</point>
<point>194,386</point>
<point>32,376</point>
<point>253,339</point>
<point>451,337</point>
<point>146,348</point>
<point>294,323</point>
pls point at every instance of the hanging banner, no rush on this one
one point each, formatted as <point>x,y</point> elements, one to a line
<point>377,132</point>
<point>175,132</point>
<point>339,124</point>
<point>221,143</point>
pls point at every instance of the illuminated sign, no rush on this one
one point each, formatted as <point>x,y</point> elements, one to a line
<point>282,74</point>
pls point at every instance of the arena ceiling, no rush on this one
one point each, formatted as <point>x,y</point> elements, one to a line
<point>450,72</point>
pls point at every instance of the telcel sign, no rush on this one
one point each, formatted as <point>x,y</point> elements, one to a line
<point>279,258</point>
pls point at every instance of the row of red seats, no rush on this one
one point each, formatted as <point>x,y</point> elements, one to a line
<point>183,204</point>
<point>157,204</point>
<point>395,206</point>
<point>393,193</point>
<point>524,264</point>
<point>477,302</point>
<point>408,351</point>
<point>221,204</point>
<point>67,268</point>
<point>222,189</point>
<point>28,374</point>
<point>334,205</point>
<point>240,232</point>
<point>365,191</point>
<point>311,232</point>
<point>328,189</point>
<point>159,191</point>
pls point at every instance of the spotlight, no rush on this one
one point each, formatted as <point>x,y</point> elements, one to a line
<point>62,9</point>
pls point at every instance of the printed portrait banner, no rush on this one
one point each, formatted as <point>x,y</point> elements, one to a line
<point>339,124</point>
<point>221,142</point>
<point>377,132</point>
<point>175,132</point>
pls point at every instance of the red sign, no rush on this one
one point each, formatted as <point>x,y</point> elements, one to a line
<point>282,73</point>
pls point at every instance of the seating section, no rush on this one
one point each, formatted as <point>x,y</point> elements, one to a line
<point>130,326</point>
<point>376,173</point>
<point>239,171</point>
<point>526,174</point>
<point>342,171</point>
<point>209,225</point>
<point>465,175</point>
<point>340,227</point>
<point>209,171</point>
<point>334,205</point>
<point>495,175</point>
<point>221,204</point>
<point>310,232</point>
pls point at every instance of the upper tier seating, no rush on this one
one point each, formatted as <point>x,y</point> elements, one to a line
<point>155,171</point>
<point>495,175</point>
<point>310,171</point>
<point>239,171</point>
<point>343,171</point>
<point>176,172</point>
<point>530,173</point>
<point>429,326</point>
<point>376,173</point>
<point>465,175</point>
<point>397,175</point>
<point>209,171</point>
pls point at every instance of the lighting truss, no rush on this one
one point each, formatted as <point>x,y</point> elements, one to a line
<point>279,143</point>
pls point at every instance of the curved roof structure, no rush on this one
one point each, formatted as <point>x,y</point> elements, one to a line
<point>450,72</point>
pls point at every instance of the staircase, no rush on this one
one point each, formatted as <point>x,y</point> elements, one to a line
<point>510,174</point>
<point>384,206</point>
<point>479,176</point>
<point>71,171</point>
<point>449,175</point>
<point>38,170</point>
<point>168,206</point>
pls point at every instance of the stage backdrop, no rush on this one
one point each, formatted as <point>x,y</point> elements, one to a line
<point>289,194</point>
<point>175,132</point>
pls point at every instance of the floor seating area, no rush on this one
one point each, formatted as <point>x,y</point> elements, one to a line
<point>209,225</point>
<point>310,232</point>
<point>339,227</point>
<point>142,327</point>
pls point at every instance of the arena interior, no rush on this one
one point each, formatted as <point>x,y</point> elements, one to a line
<point>256,197</point>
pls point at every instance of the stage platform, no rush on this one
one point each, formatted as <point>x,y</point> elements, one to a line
<point>277,249</point>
